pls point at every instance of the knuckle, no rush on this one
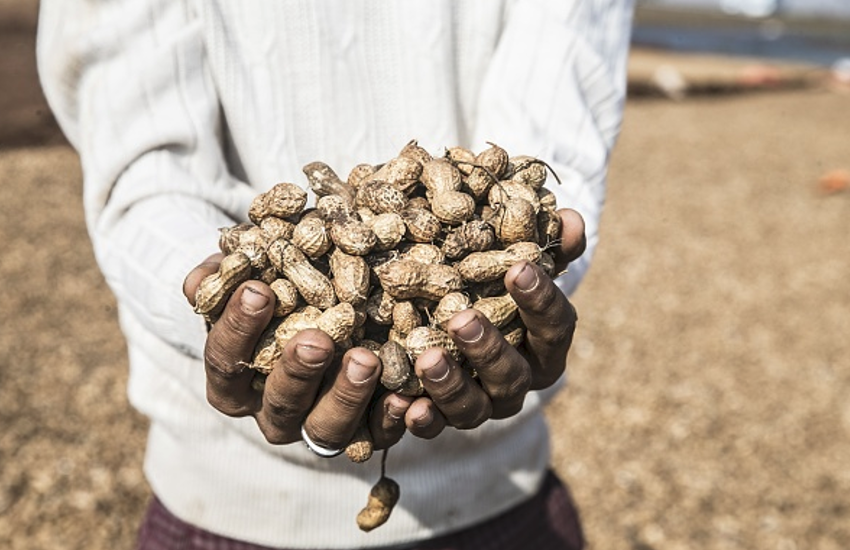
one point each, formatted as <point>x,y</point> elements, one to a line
<point>228,407</point>
<point>515,387</point>
<point>348,400</point>
<point>488,350</point>
<point>475,419</point>
<point>281,411</point>
<point>274,435</point>
<point>219,362</point>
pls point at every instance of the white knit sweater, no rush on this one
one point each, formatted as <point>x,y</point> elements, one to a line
<point>183,110</point>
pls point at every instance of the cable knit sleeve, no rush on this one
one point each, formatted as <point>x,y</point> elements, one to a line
<point>127,82</point>
<point>556,90</point>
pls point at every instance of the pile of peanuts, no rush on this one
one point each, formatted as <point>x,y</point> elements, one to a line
<point>386,257</point>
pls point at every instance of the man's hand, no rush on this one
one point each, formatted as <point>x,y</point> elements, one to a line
<point>307,386</point>
<point>505,374</point>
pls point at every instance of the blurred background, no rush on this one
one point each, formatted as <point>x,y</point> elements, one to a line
<point>709,396</point>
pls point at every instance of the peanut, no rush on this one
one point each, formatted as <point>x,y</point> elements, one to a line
<point>316,289</point>
<point>215,289</point>
<point>324,181</point>
<point>404,279</point>
<point>282,201</point>
<point>486,266</point>
<point>382,498</point>
<point>351,277</point>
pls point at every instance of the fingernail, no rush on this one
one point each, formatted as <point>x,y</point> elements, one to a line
<point>311,355</point>
<point>527,279</point>
<point>471,331</point>
<point>437,371</point>
<point>357,372</point>
<point>425,419</point>
<point>394,411</point>
<point>253,301</point>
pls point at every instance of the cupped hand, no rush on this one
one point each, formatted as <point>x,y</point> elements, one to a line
<point>505,373</point>
<point>308,386</point>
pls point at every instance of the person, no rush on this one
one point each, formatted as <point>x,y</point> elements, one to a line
<point>182,111</point>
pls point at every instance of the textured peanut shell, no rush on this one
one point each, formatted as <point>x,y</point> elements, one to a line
<point>382,498</point>
<point>405,317</point>
<point>334,209</point>
<point>548,228</point>
<point>424,253</point>
<point>381,197</point>
<point>439,175</point>
<point>401,172</point>
<point>514,221</point>
<point>282,201</point>
<point>404,279</point>
<point>253,243</point>
<point>473,236</point>
<point>338,322</point>
<point>547,199</point>
<point>361,446</point>
<point>422,225</point>
<point>311,237</point>
<point>527,170</point>
<point>324,181</point>
<point>287,297</point>
<point>351,277</point>
<point>359,174</point>
<point>228,238</point>
<point>494,159</point>
<point>214,289</point>
<point>379,307</point>
<point>452,207</point>
<point>295,322</point>
<point>354,237</point>
<point>389,230</point>
<point>486,289</point>
<point>514,332</point>
<point>499,194</point>
<point>266,353</point>
<point>395,365</point>
<point>416,152</point>
<point>277,228</point>
<point>462,158</point>
<point>490,265</point>
<point>499,310</point>
<point>419,202</point>
<point>424,338</point>
<point>479,182</point>
<point>451,303</point>
<point>314,287</point>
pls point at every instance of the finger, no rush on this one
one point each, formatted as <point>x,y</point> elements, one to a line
<point>458,397</point>
<point>423,419</point>
<point>386,423</point>
<point>573,240</point>
<point>503,372</point>
<point>550,320</point>
<point>292,386</point>
<point>230,348</point>
<point>194,278</point>
<point>337,413</point>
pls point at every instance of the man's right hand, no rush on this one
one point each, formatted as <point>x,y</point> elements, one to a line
<point>306,387</point>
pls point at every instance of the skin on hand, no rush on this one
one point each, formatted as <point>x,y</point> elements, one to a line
<point>505,374</point>
<point>307,386</point>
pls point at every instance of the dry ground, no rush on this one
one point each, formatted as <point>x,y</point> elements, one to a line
<point>709,404</point>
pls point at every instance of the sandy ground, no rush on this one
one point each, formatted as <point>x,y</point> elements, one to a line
<point>709,403</point>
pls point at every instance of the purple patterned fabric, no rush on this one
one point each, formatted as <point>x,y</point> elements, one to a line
<point>549,521</point>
